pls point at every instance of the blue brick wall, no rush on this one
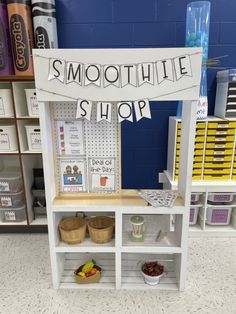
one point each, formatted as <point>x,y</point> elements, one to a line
<point>145,23</point>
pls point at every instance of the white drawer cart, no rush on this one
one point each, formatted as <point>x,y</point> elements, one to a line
<point>119,258</point>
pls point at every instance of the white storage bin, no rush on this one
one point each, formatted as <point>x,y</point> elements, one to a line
<point>6,104</point>
<point>32,102</point>
<point>195,197</point>
<point>13,214</point>
<point>8,141</point>
<point>33,137</point>
<point>220,197</point>
<point>10,181</point>
<point>12,199</point>
<point>193,215</point>
<point>218,215</point>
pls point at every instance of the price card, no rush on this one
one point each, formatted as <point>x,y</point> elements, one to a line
<point>4,141</point>
<point>34,106</point>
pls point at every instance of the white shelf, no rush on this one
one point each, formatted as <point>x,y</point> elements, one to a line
<point>22,223</point>
<point>27,117</point>
<point>31,152</point>
<point>39,221</point>
<point>86,246</point>
<point>9,152</point>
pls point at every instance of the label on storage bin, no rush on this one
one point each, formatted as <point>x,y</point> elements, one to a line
<point>10,216</point>
<point>34,105</point>
<point>218,159</point>
<point>4,186</point>
<point>219,153</point>
<point>35,140</point>
<point>222,126</point>
<point>221,132</point>
<point>6,201</point>
<point>219,146</point>
<point>219,215</point>
<point>2,111</point>
<point>4,141</point>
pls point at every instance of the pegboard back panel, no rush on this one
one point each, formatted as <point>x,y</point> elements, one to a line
<point>87,153</point>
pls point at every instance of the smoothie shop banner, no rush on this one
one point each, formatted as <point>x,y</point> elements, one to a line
<point>125,78</point>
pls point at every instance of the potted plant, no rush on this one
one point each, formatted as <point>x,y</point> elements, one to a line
<point>152,272</point>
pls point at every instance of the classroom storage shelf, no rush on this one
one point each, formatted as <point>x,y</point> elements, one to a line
<point>22,158</point>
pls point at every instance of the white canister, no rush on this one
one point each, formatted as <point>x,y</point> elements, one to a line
<point>32,102</point>
<point>6,104</point>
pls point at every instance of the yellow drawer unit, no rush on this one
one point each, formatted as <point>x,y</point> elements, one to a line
<point>216,177</point>
<point>218,159</point>
<point>219,145</point>
<point>221,132</point>
<point>194,177</point>
<point>218,171</point>
<point>234,171</point>
<point>219,139</point>
<point>201,125</point>
<point>222,125</point>
<point>198,152</point>
<point>200,139</point>
<point>198,159</point>
<point>222,152</point>
<point>234,177</point>
<point>217,165</point>
<point>197,171</point>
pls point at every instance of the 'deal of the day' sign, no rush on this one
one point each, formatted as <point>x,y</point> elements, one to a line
<point>117,75</point>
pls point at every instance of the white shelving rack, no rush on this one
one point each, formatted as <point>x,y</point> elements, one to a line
<point>120,259</point>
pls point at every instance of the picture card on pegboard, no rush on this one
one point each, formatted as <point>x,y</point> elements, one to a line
<point>73,175</point>
<point>70,138</point>
<point>102,175</point>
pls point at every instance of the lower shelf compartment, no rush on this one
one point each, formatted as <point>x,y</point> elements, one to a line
<point>131,271</point>
<point>73,260</point>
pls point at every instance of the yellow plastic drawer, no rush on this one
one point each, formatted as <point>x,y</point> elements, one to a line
<point>201,125</point>
<point>223,152</point>
<point>198,158</point>
<point>200,139</point>
<point>198,152</point>
<point>199,145</point>
<point>196,177</point>
<point>222,125</point>
<point>219,145</point>
<point>197,171</point>
<point>217,165</point>
<point>179,126</point>
<point>216,177</point>
<point>197,165</point>
<point>217,139</point>
<point>234,171</point>
<point>219,159</point>
<point>221,132</point>
<point>200,132</point>
<point>217,171</point>
<point>178,139</point>
<point>233,177</point>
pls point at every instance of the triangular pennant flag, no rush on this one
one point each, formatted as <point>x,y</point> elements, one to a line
<point>164,70</point>
<point>142,109</point>
<point>145,73</point>
<point>92,74</point>
<point>104,111</point>
<point>182,66</point>
<point>84,109</point>
<point>128,75</point>
<point>56,69</point>
<point>125,111</point>
<point>74,72</point>
<point>111,75</point>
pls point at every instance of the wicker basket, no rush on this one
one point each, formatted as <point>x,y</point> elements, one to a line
<point>72,230</point>
<point>86,280</point>
<point>101,229</point>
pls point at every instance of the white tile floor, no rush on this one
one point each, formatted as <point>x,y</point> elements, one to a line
<point>25,283</point>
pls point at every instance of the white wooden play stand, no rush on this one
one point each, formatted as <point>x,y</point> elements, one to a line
<point>120,258</point>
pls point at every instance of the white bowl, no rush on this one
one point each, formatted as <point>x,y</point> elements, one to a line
<point>151,280</point>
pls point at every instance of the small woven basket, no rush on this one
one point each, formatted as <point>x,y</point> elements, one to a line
<point>101,229</point>
<point>72,230</point>
<point>86,280</point>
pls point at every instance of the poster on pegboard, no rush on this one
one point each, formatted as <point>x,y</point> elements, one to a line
<point>102,174</point>
<point>88,152</point>
<point>70,137</point>
<point>73,174</point>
